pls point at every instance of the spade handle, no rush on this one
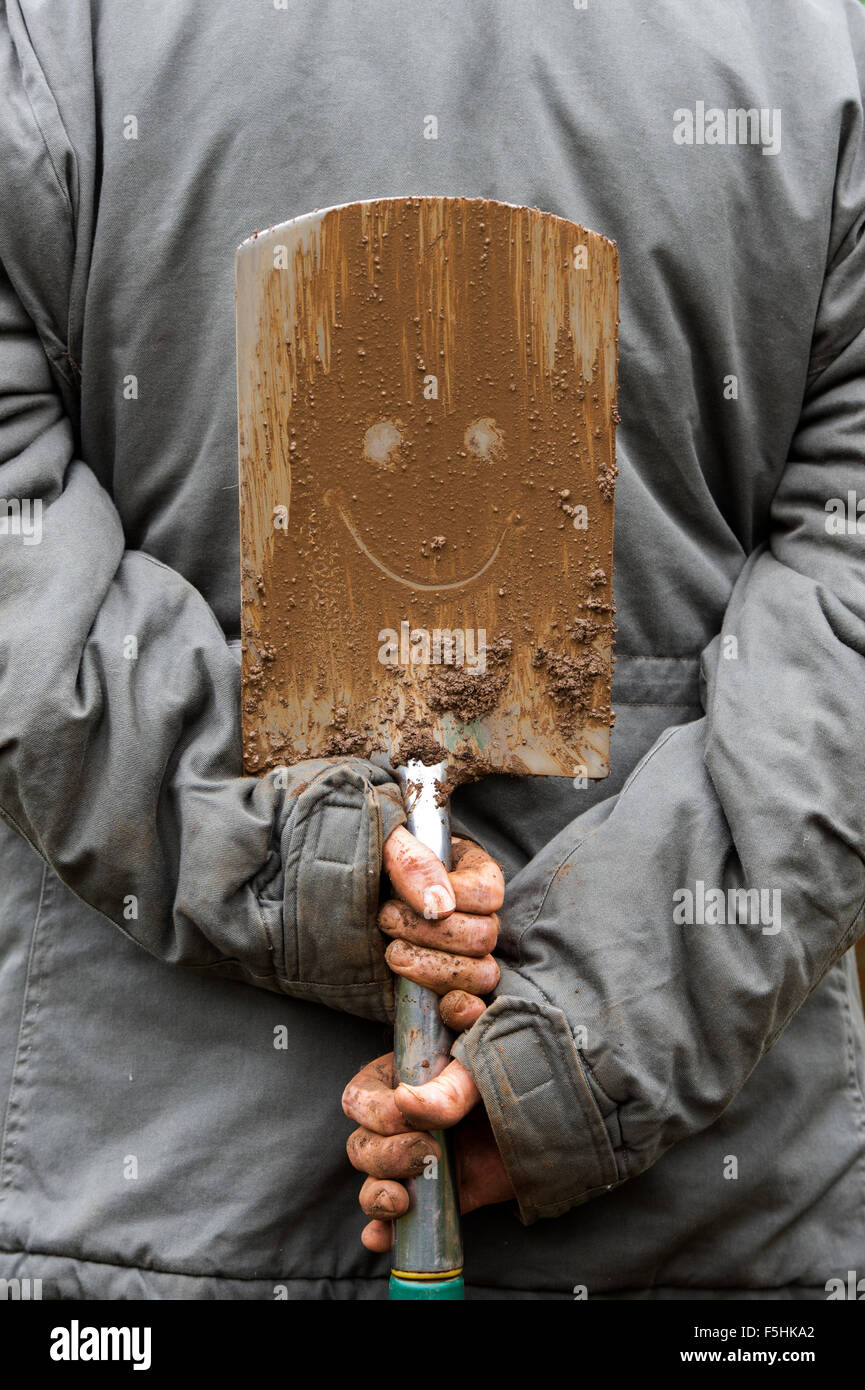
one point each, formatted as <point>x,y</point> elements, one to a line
<point>427,1257</point>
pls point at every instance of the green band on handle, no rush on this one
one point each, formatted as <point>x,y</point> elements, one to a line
<point>431,1290</point>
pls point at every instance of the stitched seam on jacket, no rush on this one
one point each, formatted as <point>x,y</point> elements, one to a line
<point>373,887</point>
<point>21,1053</point>
<point>834,953</point>
<point>591,1081</point>
<point>367,793</point>
<point>656,704</point>
<point>28,76</point>
<point>382,1278</point>
<point>194,1273</point>
<point>313,834</point>
<point>571,1058</point>
<point>551,1039</point>
<point>61,359</point>
<point>853,1072</point>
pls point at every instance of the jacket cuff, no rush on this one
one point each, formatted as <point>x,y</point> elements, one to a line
<point>549,1130</point>
<point>321,907</point>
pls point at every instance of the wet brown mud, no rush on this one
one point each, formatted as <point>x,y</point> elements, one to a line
<point>427,408</point>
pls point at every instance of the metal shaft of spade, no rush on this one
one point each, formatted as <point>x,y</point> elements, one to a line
<point>427,1255</point>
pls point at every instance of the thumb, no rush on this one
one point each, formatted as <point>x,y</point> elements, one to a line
<point>439,1103</point>
<point>418,876</point>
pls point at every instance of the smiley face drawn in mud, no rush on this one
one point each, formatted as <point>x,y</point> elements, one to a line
<point>441,374</point>
<point>432,378</point>
<point>385,445</point>
<point>430,493</point>
<point>438,384</point>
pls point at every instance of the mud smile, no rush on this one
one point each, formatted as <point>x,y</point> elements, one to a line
<point>417,583</point>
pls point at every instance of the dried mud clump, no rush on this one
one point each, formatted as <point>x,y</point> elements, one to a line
<point>419,745</point>
<point>570,680</point>
<point>606,480</point>
<point>343,741</point>
<point>470,695</point>
<point>257,760</point>
<point>583,630</point>
<point>466,765</point>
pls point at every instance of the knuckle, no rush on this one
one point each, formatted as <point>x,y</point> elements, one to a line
<point>491,882</point>
<point>415,1153</point>
<point>458,1007</point>
<point>487,936</point>
<point>420,862</point>
<point>354,1146</point>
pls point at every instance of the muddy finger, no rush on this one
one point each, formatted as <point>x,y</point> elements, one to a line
<point>477,880</point>
<point>383,1199</point>
<point>464,934</point>
<point>377,1236</point>
<point>460,1010</point>
<point>442,972</point>
<point>368,1098</point>
<point>395,1156</point>
<point>417,874</point>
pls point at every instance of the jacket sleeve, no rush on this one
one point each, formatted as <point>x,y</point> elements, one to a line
<point>119,696</point>
<point>619,1028</point>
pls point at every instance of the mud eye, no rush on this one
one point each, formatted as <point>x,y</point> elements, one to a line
<point>382,443</point>
<point>484,439</point>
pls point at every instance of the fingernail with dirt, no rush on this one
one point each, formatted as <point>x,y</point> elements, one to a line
<point>437,900</point>
<point>399,953</point>
<point>382,1204</point>
<point>418,1154</point>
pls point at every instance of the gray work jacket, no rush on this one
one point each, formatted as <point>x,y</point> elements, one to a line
<point>171,933</point>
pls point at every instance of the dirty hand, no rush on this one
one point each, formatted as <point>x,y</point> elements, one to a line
<point>445,927</point>
<point>388,1145</point>
<point>444,924</point>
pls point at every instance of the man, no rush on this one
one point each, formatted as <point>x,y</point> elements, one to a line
<point>677,1032</point>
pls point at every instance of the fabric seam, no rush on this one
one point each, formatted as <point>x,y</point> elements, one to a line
<point>6,1164</point>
